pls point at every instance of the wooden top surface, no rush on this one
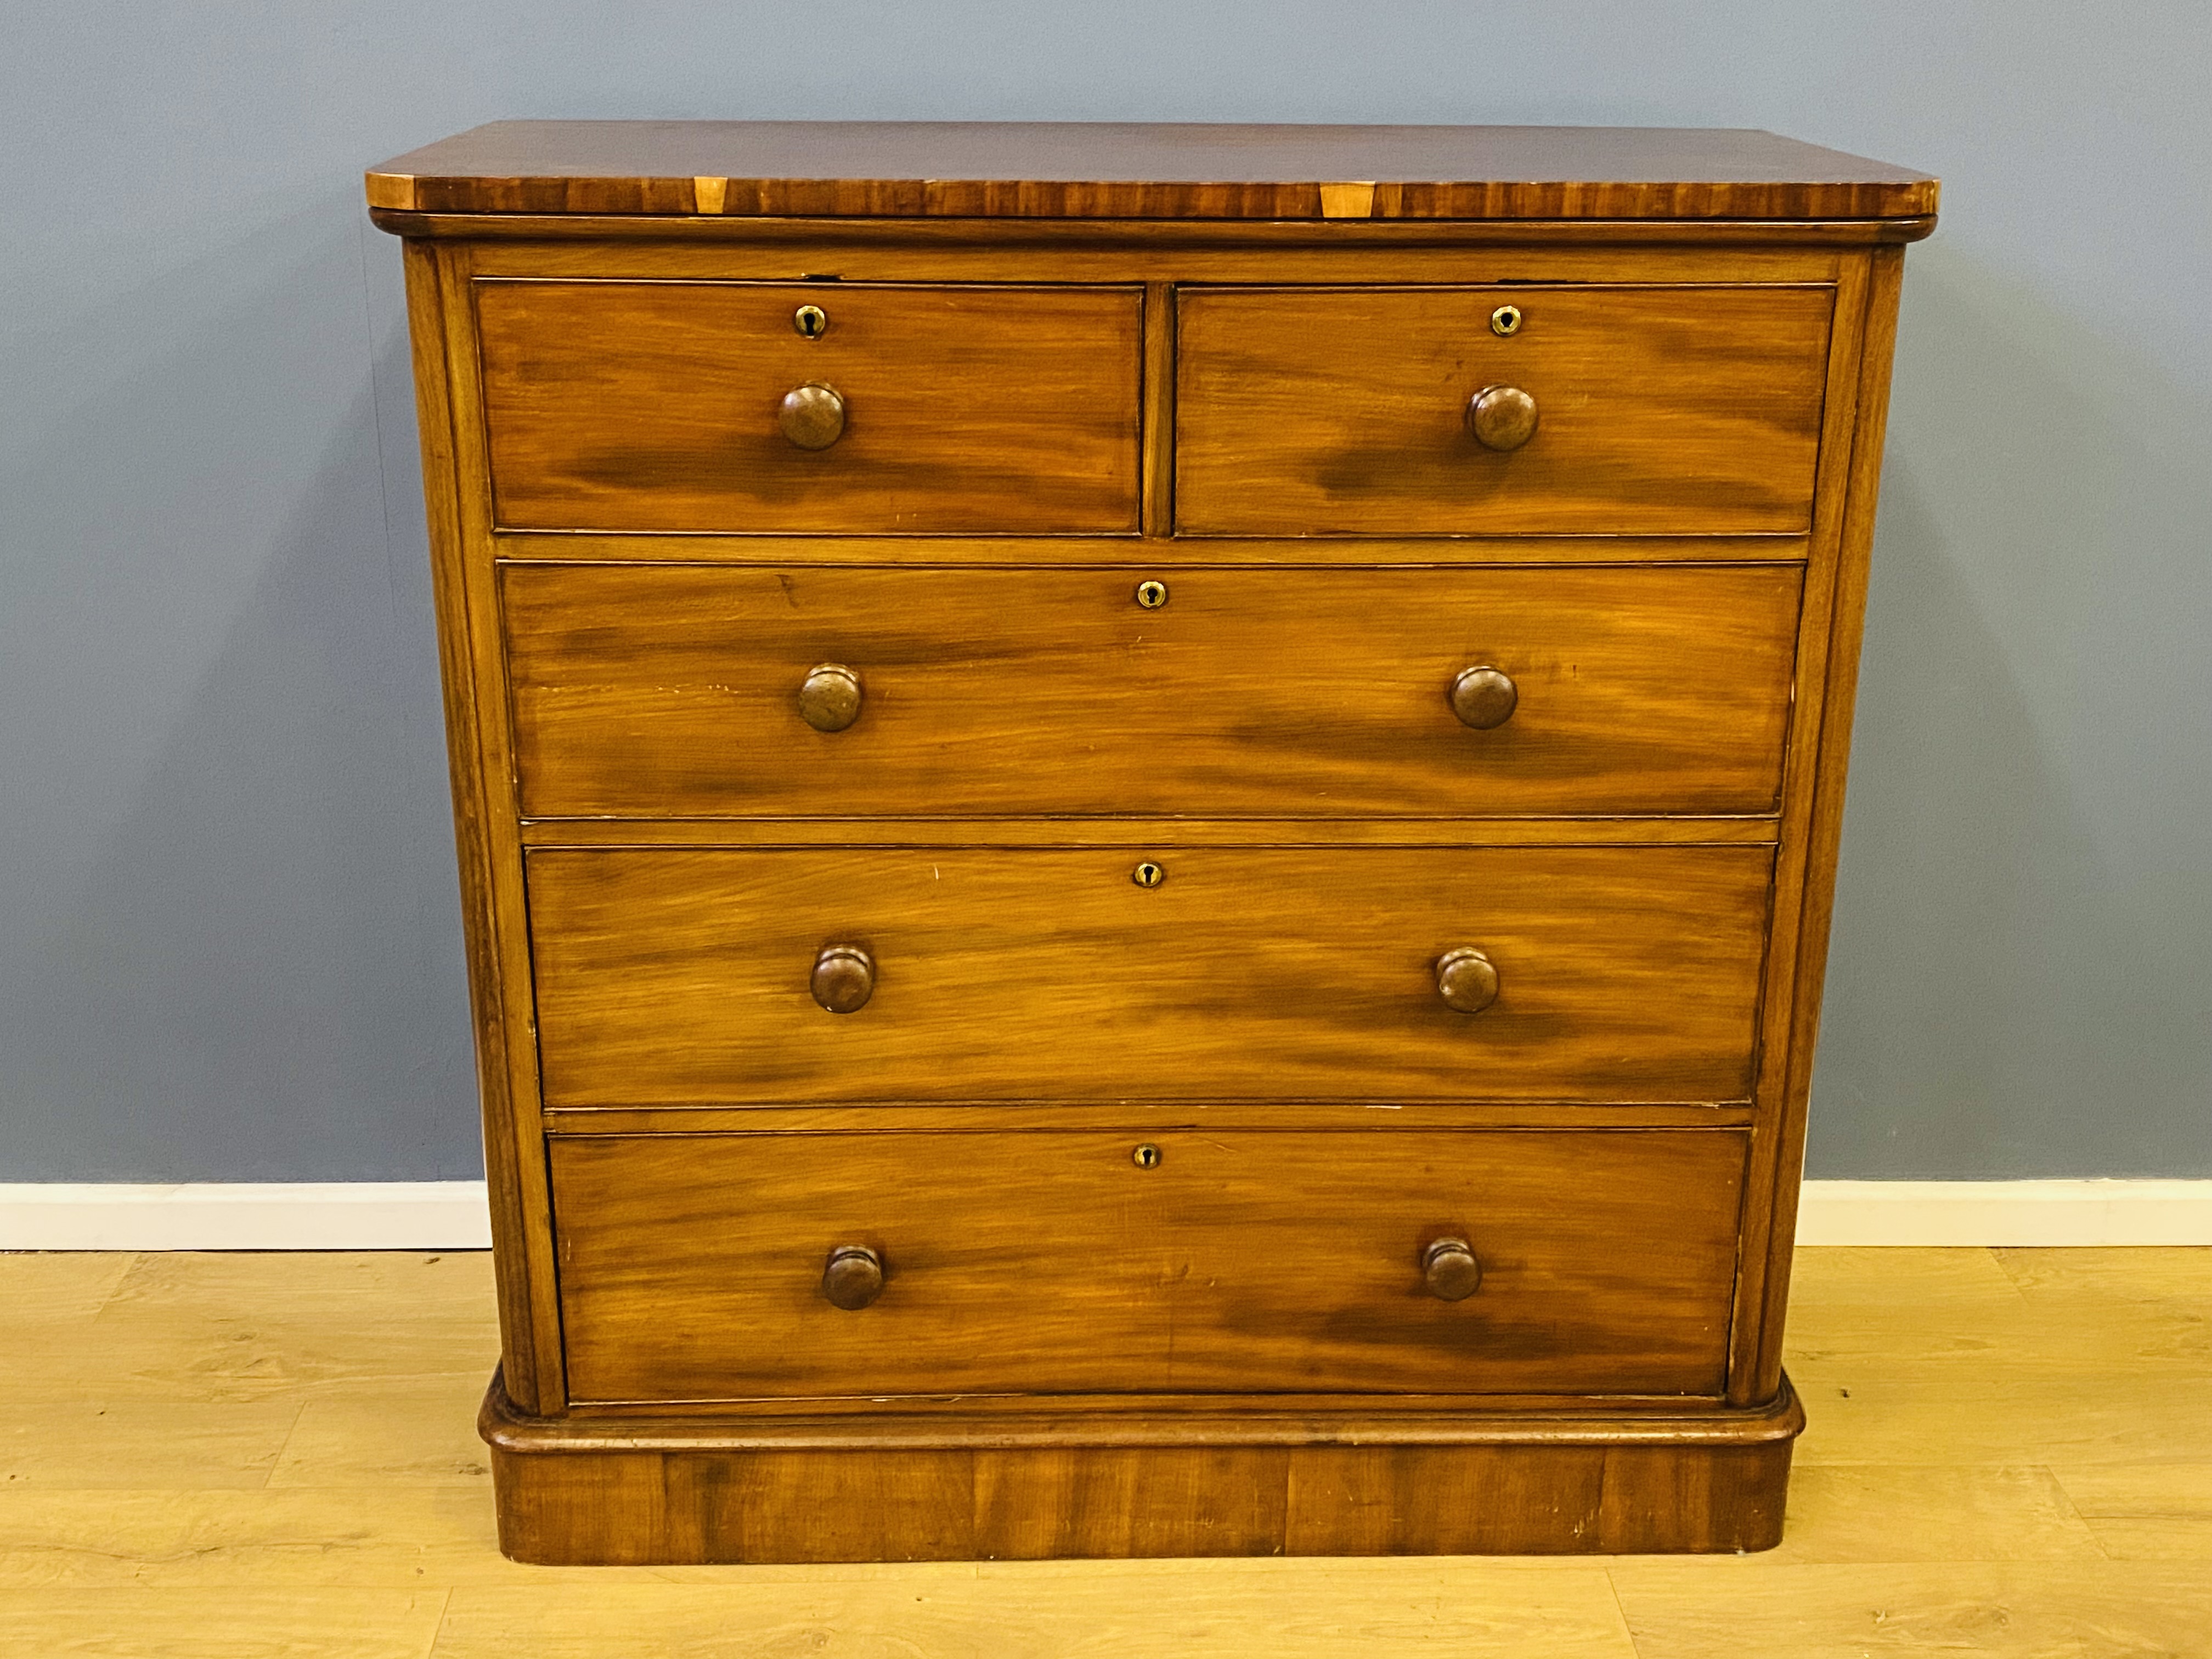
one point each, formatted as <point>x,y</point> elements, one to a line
<point>1095,170</point>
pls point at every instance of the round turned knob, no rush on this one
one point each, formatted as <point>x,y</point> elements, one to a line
<point>844,978</point>
<point>812,417</point>
<point>829,698</point>
<point>1501,417</point>
<point>1450,1271</point>
<point>1467,980</point>
<point>853,1277</point>
<point>1483,698</point>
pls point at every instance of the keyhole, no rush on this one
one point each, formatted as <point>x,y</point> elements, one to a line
<point>1151,595</point>
<point>809,321</point>
<point>1506,319</point>
<point>1148,875</point>
<point>1147,1157</point>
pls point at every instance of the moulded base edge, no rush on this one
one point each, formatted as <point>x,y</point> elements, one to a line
<point>906,1487</point>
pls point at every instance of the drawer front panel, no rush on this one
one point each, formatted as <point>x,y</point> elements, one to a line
<point>1659,410</point>
<point>691,1267</point>
<point>679,978</point>
<point>655,406</point>
<point>675,690</point>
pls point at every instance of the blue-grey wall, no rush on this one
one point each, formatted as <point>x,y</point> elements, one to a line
<point>228,944</point>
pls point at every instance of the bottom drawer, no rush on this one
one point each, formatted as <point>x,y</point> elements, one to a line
<point>692,1268</point>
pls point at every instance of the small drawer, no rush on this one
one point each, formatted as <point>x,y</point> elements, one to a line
<point>689,406</point>
<point>1657,411</point>
<point>1615,975</point>
<point>649,690</point>
<point>699,1267</point>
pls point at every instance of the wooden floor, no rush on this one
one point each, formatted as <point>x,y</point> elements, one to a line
<point>242,1456</point>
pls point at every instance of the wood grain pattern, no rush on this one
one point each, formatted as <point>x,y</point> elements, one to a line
<point>1771,1223</point>
<point>1113,253</point>
<point>1839,419</point>
<point>483,836</point>
<point>1627,1500</point>
<point>1107,169</point>
<point>1142,834</point>
<point>472,666</point>
<point>653,406</point>
<point>1245,1261</point>
<point>655,691</point>
<point>880,1116</point>
<point>1683,411</point>
<point>669,978</point>
<point>1158,553</point>
<point>1558,1485</point>
<point>379,1622</point>
<point>1849,1612</point>
<point>540,232</point>
<point>1025,1611</point>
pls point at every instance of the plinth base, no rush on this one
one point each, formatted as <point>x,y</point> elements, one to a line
<point>1195,1477</point>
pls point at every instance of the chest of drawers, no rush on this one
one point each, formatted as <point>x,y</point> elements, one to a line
<point>1146,818</point>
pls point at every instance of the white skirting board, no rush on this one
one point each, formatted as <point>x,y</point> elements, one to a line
<point>2018,1213</point>
<point>255,1215</point>
<point>451,1215</point>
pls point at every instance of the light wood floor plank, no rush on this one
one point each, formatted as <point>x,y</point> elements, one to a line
<point>1963,1305</point>
<point>91,1442</point>
<point>58,1285</point>
<point>408,1433</point>
<point>1468,1610</point>
<point>223,1624</point>
<point>195,1326</point>
<point>1971,1282</point>
<point>1867,1413</point>
<point>1700,1609</point>
<point>1885,1512</point>
<point>398,1537</point>
<point>2133,1274</point>
<point>2146,1511</point>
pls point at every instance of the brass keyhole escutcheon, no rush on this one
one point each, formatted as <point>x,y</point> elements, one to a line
<point>1147,1157</point>
<point>809,322</point>
<point>1506,319</point>
<point>1151,595</point>
<point>1148,875</point>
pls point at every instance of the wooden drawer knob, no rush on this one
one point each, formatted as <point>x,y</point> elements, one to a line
<point>829,698</point>
<point>844,978</point>
<point>1483,698</point>
<point>1450,1269</point>
<point>812,417</point>
<point>1502,417</point>
<point>1467,980</point>
<point>853,1277</point>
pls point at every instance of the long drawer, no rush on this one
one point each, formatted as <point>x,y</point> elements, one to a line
<point>654,690</point>
<point>696,1267</point>
<point>1657,410</point>
<point>663,406</point>
<point>681,978</point>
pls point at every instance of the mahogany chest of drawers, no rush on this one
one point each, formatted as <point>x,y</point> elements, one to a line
<point>1146,819</point>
